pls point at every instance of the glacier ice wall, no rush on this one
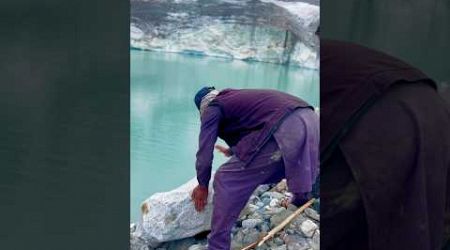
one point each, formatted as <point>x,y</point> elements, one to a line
<point>259,30</point>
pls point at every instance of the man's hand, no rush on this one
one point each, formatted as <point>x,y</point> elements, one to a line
<point>200,197</point>
<point>223,150</point>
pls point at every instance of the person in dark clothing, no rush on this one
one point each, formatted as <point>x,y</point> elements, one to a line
<point>384,152</point>
<point>271,135</point>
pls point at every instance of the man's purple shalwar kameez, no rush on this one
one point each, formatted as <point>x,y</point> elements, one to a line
<point>272,136</point>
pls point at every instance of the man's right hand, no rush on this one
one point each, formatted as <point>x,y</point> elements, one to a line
<point>200,197</point>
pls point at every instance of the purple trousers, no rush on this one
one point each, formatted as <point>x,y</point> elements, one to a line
<point>291,153</point>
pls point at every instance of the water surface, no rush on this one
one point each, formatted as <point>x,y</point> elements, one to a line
<point>164,119</point>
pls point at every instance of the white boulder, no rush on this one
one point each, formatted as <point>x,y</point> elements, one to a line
<point>171,215</point>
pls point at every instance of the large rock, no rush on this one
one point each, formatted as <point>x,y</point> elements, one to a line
<point>171,215</point>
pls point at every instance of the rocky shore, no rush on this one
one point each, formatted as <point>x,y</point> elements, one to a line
<point>170,222</point>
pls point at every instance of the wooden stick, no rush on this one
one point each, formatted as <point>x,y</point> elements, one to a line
<point>280,227</point>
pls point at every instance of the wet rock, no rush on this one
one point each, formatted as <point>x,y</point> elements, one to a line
<point>308,228</point>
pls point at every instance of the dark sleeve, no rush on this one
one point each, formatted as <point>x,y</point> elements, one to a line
<point>208,135</point>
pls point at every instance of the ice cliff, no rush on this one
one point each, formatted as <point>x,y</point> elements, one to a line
<point>256,30</point>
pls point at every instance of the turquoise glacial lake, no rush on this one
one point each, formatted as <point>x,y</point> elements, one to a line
<point>164,119</point>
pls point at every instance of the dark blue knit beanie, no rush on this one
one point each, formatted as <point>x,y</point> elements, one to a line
<point>200,94</point>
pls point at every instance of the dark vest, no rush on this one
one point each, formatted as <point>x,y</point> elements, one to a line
<point>250,116</point>
<point>352,77</point>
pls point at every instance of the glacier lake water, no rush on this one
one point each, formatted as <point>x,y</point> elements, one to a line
<point>165,121</point>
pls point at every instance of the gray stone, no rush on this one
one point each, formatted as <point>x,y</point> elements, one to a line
<point>311,213</point>
<point>171,215</point>
<point>279,217</point>
<point>296,242</point>
<point>281,186</point>
<point>315,242</point>
<point>251,223</point>
<point>292,207</point>
<point>274,203</point>
<point>264,227</point>
<point>308,228</point>
<point>179,244</point>
<point>282,247</point>
<point>273,195</point>
<point>255,216</point>
<point>274,210</point>
<point>261,189</point>
<point>278,241</point>
<point>139,243</point>
<point>236,245</point>
<point>197,247</point>
<point>250,236</point>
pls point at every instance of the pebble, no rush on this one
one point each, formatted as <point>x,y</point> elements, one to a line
<point>292,207</point>
<point>264,227</point>
<point>274,210</point>
<point>315,242</point>
<point>197,247</point>
<point>282,247</point>
<point>296,242</point>
<point>251,223</point>
<point>311,213</point>
<point>261,189</point>
<point>251,236</point>
<point>278,241</point>
<point>274,203</point>
<point>279,217</point>
<point>260,204</point>
<point>273,195</point>
<point>308,228</point>
<point>281,186</point>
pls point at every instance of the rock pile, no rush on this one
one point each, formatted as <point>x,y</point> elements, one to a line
<point>263,212</point>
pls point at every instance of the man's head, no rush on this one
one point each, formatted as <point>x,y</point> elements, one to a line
<point>200,94</point>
